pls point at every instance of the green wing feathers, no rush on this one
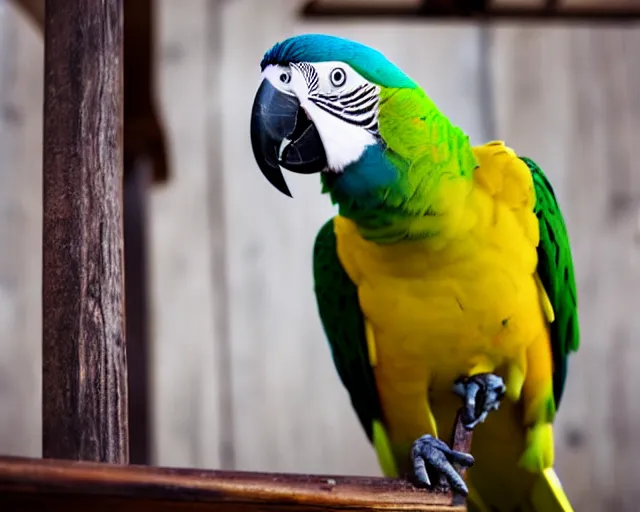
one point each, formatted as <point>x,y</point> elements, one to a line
<point>343,323</point>
<point>555,269</point>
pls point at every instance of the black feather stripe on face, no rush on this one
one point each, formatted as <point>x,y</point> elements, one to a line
<point>358,106</point>
<point>309,74</point>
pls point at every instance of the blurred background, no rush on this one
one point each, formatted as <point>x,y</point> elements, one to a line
<point>240,375</point>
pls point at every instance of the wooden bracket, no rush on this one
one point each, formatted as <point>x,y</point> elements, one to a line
<point>144,136</point>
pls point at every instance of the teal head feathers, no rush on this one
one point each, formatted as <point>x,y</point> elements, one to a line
<point>334,106</point>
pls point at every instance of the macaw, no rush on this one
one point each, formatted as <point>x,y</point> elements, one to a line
<point>447,273</point>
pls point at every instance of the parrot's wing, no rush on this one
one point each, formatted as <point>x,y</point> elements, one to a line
<point>343,322</point>
<point>555,270</point>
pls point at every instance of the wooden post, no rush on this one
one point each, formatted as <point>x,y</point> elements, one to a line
<point>84,353</point>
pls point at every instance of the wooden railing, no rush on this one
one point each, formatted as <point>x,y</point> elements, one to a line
<point>54,485</point>
<point>85,383</point>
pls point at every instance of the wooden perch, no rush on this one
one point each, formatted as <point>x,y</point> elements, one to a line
<point>81,486</point>
<point>57,485</point>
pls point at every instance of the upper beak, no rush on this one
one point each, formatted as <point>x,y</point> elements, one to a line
<point>277,116</point>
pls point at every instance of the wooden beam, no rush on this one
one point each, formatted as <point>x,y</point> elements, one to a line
<point>84,355</point>
<point>34,9</point>
<point>470,10</point>
<point>143,132</point>
<point>69,486</point>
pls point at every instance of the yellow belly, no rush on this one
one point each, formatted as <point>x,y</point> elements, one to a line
<point>434,315</point>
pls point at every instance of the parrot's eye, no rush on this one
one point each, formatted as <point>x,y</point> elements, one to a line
<point>285,77</point>
<point>338,77</point>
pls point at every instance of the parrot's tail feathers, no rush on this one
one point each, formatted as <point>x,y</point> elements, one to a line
<point>548,494</point>
<point>383,450</point>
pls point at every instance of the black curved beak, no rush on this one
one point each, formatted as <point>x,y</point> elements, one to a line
<point>278,117</point>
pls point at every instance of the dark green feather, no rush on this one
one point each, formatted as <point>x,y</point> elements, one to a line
<point>343,323</point>
<point>555,268</point>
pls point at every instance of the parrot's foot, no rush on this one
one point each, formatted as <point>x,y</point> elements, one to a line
<point>482,394</point>
<point>433,459</point>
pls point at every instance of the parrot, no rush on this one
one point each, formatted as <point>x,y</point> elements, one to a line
<point>444,282</point>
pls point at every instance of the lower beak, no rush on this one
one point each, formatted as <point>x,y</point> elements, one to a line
<point>282,135</point>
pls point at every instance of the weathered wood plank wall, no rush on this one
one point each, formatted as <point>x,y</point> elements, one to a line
<point>21,95</point>
<point>571,99</point>
<point>242,376</point>
<point>183,341</point>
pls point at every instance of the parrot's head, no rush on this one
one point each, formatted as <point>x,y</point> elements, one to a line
<point>317,107</point>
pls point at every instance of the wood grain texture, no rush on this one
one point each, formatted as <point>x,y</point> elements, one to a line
<point>21,92</point>
<point>56,484</point>
<point>461,441</point>
<point>568,99</point>
<point>84,355</point>
<point>74,503</point>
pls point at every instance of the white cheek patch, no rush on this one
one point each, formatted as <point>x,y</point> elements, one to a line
<point>344,143</point>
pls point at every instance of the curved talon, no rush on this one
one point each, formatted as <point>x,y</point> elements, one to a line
<point>482,394</point>
<point>431,456</point>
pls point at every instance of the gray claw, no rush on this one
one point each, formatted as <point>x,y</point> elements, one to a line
<point>482,394</point>
<point>432,456</point>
